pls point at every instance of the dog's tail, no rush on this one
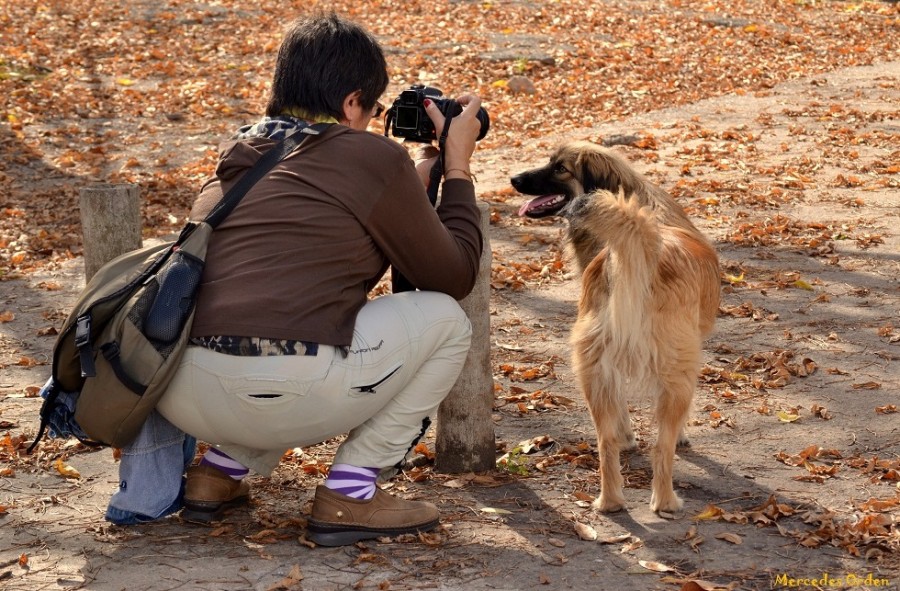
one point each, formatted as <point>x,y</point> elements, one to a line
<point>621,276</point>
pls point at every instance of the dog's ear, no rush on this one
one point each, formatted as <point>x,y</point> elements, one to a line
<point>601,169</point>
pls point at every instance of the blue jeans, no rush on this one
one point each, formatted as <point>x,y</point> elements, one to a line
<point>151,473</point>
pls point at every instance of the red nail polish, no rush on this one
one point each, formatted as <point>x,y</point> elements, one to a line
<point>427,102</point>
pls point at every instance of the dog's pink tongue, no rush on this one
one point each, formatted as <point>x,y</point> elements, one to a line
<point>536,203</point>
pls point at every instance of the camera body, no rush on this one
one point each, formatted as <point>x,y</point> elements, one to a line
<point>407,118</point>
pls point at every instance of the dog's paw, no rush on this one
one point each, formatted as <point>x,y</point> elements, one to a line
<point>668,502</point>
<point>683,442</point>
<point>609,503</point>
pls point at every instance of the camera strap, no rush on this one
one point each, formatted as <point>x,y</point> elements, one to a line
<point>437,171</point>
<point>399,282</point>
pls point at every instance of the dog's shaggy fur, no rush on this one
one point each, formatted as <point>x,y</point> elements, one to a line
<point>650,294</point>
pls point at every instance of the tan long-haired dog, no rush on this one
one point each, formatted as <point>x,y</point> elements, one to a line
<point>650,294</point>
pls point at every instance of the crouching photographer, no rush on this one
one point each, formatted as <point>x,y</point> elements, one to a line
<point>287,350</point>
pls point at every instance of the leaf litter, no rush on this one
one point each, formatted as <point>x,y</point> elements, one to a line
<point>156,90</point>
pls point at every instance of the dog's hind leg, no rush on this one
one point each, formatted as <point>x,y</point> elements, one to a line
<point>671,412</point>
<point>612,495</point>
<point>607,416</point>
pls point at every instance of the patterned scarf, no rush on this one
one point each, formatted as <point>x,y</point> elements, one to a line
<point>274,128</point>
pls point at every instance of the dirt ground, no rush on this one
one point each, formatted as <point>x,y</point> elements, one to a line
<point>793,477</point>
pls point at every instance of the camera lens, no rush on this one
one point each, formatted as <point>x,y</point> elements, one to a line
<point>485,123</point>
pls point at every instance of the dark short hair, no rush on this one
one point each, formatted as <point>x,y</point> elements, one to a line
<point>323,59</point>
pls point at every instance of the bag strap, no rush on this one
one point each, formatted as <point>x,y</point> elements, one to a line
<point>259,170</point>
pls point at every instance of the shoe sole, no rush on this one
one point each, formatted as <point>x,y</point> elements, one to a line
<point>205,512</point>
<point>324,534</point>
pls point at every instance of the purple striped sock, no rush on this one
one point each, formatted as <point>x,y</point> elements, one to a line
<point>225,463</point>
<point>352,481</point>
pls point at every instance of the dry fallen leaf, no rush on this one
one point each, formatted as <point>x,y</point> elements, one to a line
<point>495,511</point>
<point>266,536</point>
<point>729,537</point>
<point>632,546</point>
<point>66,470</point>
<point>820,411</point>
<point>585,531</point>
<point>289,583</point>
<point>786,417</point>
<point>711,512</point>
<point>699,585</point>
<point>880,505</point>
<point>221,531</point>
<point>657,567</point>
<point>616,539</point>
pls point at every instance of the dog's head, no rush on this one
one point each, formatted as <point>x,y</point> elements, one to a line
<point>575,168</point>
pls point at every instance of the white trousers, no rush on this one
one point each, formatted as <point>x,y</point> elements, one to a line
<point>407,352</point>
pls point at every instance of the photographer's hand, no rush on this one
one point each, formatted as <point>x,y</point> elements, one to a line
<point>460,143</point>
<point>424,156</point>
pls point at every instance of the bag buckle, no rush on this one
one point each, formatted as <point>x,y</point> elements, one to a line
<point>83,344</point>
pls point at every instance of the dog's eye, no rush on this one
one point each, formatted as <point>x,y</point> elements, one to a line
<point>561,169</point>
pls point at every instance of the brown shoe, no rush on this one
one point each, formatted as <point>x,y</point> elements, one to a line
<point>210,491</point>
<point>338,520</point>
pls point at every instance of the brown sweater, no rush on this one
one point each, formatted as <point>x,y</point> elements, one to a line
<point>298,256</point>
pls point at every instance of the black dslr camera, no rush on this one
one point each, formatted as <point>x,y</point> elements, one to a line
<point>407,118</point>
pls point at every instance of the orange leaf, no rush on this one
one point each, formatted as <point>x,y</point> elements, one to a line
<point>874,504</point>
<point>7,442</point>
<point>711,512</point>
<point>422,449</point>
<point>66,470</point>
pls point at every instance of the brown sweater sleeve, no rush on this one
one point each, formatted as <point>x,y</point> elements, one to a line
<point>435,250</point>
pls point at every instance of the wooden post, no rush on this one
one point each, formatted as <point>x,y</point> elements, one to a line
<point>465,431</point>
<point>110,223</point>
